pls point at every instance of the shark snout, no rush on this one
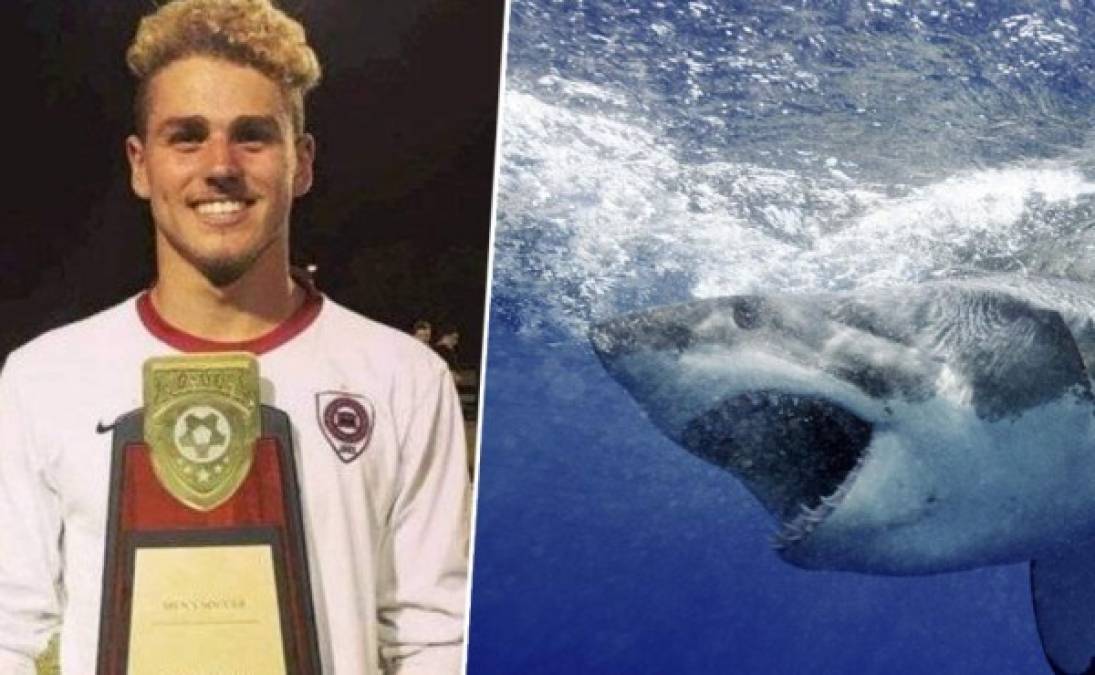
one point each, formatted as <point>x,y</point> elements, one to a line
<point>680,327</point>
<point>624,335</point>
<point>653,330</point>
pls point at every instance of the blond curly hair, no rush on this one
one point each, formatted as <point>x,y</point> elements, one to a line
<point>254,33</point>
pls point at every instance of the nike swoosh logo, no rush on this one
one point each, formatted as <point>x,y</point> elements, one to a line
<point>101,428</point>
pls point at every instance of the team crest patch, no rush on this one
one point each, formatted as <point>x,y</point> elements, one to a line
<point>346,421</point>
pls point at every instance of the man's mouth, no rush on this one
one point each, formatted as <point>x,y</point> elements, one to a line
<point>222,207</point>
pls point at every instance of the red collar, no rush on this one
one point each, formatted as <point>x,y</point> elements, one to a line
<point>279,335</point>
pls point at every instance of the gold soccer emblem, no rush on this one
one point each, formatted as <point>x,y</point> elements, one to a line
<point>201,420</point>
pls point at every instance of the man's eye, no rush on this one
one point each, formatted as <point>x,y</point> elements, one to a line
<point>186,140</point>
<point>254,140</point>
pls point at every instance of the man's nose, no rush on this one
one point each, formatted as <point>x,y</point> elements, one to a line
<point>223,168</point>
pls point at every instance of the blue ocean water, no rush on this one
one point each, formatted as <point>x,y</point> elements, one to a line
<point>657,152</point>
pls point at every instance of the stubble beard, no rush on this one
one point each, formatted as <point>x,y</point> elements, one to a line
<point>220,271</point>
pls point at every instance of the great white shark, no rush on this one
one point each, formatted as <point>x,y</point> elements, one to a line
<point>930,428</point>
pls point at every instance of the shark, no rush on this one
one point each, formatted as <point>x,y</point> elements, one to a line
<point>911,430</point>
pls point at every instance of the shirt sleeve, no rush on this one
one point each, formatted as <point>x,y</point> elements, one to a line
<point>423,582</point>
<point>30,537</point>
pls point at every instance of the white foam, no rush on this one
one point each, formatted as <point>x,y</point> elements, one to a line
<point>598,215</point>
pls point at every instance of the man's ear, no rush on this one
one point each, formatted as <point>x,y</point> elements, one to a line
<point>138,171</point>
<point>306,155</point>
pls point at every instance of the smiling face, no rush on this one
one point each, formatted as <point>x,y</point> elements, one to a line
<point>220,167</point>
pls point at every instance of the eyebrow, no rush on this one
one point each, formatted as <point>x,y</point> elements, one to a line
<point>191,123</point>
<point>264,126</point>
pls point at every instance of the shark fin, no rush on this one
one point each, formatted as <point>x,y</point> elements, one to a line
<point>1063,589</point>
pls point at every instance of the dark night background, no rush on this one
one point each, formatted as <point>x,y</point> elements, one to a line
<point>398,218</point>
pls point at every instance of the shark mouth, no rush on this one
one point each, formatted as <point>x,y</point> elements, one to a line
<point>798,454</point>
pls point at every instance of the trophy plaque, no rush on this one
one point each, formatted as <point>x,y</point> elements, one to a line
<point>205,568</point>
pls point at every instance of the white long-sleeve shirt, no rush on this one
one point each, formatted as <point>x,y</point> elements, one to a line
<point>385,531</point>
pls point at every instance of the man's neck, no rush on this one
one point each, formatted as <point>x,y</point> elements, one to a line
<point>246,309</point>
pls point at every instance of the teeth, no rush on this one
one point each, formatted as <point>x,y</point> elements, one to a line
<point>219,207</point>
<point>808,519</point>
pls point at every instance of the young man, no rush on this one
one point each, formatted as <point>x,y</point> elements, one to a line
<point>423,331</point>
<point>446,346</point>
<point>220,154</point>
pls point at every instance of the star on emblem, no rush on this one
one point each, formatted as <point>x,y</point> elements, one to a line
<point>201,434</point>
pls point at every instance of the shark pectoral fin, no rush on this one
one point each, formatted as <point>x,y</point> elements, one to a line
<point>1063,588</point>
